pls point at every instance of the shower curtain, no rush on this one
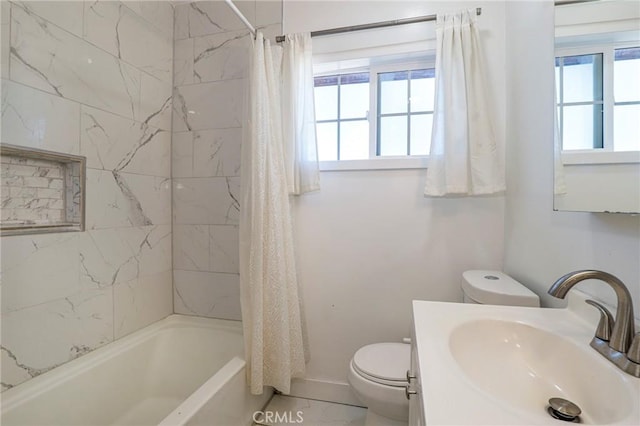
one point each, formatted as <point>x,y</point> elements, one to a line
<point>464,157</point>
<point>279,157</point>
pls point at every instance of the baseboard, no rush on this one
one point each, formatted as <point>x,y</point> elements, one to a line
<point>324,391</point>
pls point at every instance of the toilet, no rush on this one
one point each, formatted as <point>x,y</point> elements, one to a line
<point>377,372</point>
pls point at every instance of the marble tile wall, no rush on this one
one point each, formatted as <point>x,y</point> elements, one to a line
<point>94,79</point>
<point>211,60</point>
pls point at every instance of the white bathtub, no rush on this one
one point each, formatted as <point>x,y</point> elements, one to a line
<point>178,371</point>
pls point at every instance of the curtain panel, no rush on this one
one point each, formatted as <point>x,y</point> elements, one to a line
<point>464,157</point>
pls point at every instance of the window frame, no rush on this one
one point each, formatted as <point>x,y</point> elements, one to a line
<point>607,153</point>
<point>376,162</point>
<point>375,71</point>
<point>338,120</point>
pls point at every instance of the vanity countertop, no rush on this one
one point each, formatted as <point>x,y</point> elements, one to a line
<point>486,364</point>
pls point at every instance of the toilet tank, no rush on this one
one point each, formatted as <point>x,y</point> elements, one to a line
<point>496,288</point>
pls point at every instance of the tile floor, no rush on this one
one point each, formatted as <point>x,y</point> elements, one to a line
<point>287,410</point>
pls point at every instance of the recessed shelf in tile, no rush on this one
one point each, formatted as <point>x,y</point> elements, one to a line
<point>42,191</point>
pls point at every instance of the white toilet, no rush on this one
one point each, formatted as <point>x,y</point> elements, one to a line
<point>377,372</point>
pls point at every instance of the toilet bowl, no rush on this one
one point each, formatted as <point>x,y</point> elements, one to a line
<point>377,375</point>
<point>377,372</point>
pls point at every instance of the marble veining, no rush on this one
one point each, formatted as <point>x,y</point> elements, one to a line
<point>5,36</point>
<point>140,302</point>
<point>191,247</point>
<point>75,325</point>
<point>30,260</point>
<point>13,360</point>
<point>137,215</point>
<point>37,119</point>
<point>221,56</point>
<point>157,13</point>
<point>109,257</point>
<point>200,106</point>
<point>210,294</point>
<point>180,112</point>
<point>111,142</point>
<point>155,102</point>
<point>92,79</point>
<point>183,62</point>
<point>48,58</point>
<point>210,65</point>
<point>224,249</point>
<point>118,199</point>
<point>64,14</point>
<point>117,29</point>
<point>207,153</point>
<point>32,191</point>
<point>211,248</point>
<point>41,191</point>
<point>202,18</point>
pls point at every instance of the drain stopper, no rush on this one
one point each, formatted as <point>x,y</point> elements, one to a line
<point>561,409</point>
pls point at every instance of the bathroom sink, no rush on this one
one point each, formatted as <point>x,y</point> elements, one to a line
<point>524,366</point>
<point>491,365</point>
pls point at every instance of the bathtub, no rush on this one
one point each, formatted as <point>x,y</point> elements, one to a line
<point>179,371</point>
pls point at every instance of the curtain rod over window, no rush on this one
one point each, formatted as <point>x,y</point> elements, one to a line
<point>374,25</point>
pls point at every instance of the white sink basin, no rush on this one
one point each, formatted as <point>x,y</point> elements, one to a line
<point>491,365</point>
<point>523,366</point>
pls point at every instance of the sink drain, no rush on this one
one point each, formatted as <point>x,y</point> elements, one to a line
<point>561,409</point>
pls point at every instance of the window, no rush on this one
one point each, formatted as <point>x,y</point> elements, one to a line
<point>405,112</point>
<point>342,108</point>
<point>384,111</point>
<point>598,94</point>
<point>626,105</point>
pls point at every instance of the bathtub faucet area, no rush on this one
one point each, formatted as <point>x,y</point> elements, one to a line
<point>618,343</point>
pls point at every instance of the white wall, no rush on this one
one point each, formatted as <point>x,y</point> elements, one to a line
<point>369,242</point>
<point>541,245</point>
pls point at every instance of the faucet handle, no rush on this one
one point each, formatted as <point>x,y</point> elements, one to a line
<point>603,332</point>
<point>634,351</point>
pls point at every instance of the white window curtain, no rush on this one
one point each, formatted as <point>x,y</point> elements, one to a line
<point>464,157</point>
<point>298,109</point>
<point>274,164</point>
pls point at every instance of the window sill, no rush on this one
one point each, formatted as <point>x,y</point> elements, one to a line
<point>387,163</point>
<point>570,158</point>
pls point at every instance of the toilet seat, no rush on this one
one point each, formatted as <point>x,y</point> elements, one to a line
<point>383,363</point>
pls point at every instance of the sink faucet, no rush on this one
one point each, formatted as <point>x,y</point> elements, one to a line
<point>619,345</point>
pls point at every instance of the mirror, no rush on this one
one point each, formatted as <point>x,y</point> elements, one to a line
<point>597,143</point>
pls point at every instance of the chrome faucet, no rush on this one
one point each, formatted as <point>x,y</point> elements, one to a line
<point>615,340</point>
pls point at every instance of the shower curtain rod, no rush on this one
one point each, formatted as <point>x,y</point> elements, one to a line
<point>241,16</point>
<point>374,25</point>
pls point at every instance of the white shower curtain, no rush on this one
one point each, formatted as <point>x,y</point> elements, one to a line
<point>274,163</point>
<point>464,156</point>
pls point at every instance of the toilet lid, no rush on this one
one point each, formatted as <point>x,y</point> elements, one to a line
<point>497,288</point>
<point>385,361</point>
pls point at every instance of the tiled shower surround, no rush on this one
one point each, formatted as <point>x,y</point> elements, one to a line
<point>211,59</point>
<point>91,79</point>
<point>96,79</point>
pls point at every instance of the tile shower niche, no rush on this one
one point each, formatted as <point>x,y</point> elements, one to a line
<point>42,191</point>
